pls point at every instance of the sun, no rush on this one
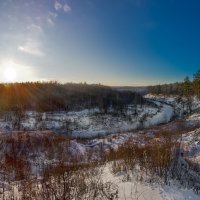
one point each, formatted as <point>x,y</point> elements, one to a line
<point>10,74</point>
<point>16,72</point>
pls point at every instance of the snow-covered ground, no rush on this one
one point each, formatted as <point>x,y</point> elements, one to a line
<point>140,190</point>
<point>190,145</point>
<point>116,131</point>
<point>91,123</point>
<point>181,105</point>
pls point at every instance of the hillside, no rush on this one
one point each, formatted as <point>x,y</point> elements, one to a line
<point>52,96</point>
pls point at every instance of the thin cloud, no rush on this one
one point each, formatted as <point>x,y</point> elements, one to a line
<point>32,46</point>
<point>66,8</point>
<point>35,29</point>
<point>58,5</point>
<point>50,21</point>
<point>32,43</point>
<point>33,38</point>
<point>51,18</point>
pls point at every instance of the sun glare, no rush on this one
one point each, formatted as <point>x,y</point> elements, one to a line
<point>10,74</point>
<point>11,71</point>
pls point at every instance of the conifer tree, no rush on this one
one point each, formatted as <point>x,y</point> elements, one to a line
<point>187,89</point>
<point>196,83</point>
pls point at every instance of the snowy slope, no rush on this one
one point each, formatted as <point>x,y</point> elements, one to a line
<point>135,189</point>
<point>91,123</point>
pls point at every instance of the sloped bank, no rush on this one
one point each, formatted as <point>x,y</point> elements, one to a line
<point>92,123</point>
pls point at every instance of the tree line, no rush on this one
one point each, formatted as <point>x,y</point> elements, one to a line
<point>185,88</point>
<point>53,96</point>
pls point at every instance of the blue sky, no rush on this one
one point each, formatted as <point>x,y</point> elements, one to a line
<point>113,42</point>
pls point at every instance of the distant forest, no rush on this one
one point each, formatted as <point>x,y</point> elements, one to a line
<point>53,96</point>
<point>186,88</point>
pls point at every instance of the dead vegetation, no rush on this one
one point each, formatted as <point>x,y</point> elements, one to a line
<point>44,166</point>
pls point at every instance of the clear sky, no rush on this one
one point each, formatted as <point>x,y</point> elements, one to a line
<point>113,42</point>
